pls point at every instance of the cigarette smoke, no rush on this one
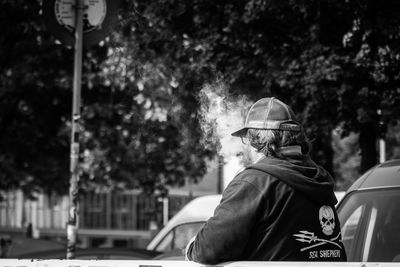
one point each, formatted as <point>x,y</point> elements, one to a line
<point>221,115</point>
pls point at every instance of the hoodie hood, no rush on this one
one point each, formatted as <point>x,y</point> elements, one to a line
<point>301,173</point>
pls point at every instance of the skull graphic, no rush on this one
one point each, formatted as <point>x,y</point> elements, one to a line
<point>327,219</point>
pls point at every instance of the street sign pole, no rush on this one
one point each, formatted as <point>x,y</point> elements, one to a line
<point>382,129</point>
<point>73,218</point>
<point>78,24</point>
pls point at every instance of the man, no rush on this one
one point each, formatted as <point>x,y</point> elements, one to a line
<point>280,208</point>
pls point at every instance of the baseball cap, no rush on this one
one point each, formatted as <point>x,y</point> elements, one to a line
<point>270,114</point>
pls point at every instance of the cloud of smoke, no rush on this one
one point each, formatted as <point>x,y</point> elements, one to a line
<point>222,114</point>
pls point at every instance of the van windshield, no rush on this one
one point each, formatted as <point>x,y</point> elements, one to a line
<point>179,236</point>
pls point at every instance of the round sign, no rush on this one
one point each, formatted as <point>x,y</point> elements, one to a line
<point>98,18</point>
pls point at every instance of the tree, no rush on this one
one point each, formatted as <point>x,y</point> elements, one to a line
<point>34,102</point>
<point>314,54</point>
<point>138,130</point>
<point>372,45</point>
<point>285,59</point>
<point>335,62</point>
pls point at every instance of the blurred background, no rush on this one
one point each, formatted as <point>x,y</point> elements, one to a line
<point>161,95</point>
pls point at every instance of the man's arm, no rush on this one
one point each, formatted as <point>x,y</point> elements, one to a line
<point>225,235</point>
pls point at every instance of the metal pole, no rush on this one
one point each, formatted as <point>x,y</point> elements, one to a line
<point>382,150</point>
<point>165,210</point>
<point>220,182</point>
<point>381,134</point>
<point>73,216</point>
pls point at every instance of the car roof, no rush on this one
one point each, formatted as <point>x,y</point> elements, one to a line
<point>383,175</point>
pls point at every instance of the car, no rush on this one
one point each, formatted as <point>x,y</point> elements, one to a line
<point>369,214</point>
<point>92,254</point>
<point>339,195</point>
<point>11,246</point>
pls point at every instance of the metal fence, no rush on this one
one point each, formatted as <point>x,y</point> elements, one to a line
<point>131,210</point>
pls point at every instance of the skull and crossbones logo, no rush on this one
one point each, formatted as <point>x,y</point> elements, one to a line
<point>327,222</point>
<point>327,219</point>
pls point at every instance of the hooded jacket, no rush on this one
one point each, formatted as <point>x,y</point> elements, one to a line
<point>274,210</point>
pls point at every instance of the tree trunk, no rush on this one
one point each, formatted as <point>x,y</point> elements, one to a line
<point>322,152</point>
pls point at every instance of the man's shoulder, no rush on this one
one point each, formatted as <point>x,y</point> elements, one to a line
<point>256,177</point>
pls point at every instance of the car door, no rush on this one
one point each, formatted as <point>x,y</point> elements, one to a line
<point>370,225</point>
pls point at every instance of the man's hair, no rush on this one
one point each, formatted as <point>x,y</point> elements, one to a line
<point>269,142</point>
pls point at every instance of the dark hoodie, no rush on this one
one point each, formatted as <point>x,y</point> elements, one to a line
<point>274,210</point>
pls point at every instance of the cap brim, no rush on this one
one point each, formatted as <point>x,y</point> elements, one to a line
<point>240,132</point>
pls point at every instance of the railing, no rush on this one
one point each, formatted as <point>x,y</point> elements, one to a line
<point>118,211</point>
<point>137,263</point>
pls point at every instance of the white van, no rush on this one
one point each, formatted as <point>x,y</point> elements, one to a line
<point>185,224</point>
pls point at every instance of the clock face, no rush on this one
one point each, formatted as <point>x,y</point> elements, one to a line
<point>93,14</point>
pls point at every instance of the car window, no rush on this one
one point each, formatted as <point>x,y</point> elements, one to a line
<point>179,236</point>
<point>352,216</point>
<point>370,222</point>
<point>350,226</point>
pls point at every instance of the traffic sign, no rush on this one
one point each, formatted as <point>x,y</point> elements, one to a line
<point>99,16</point>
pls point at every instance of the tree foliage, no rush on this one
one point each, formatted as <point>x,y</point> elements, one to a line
<point>138,127</point>
<point>35,100</point>
<point>335,62</point>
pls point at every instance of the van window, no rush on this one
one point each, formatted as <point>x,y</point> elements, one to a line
<point>179,236</point>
